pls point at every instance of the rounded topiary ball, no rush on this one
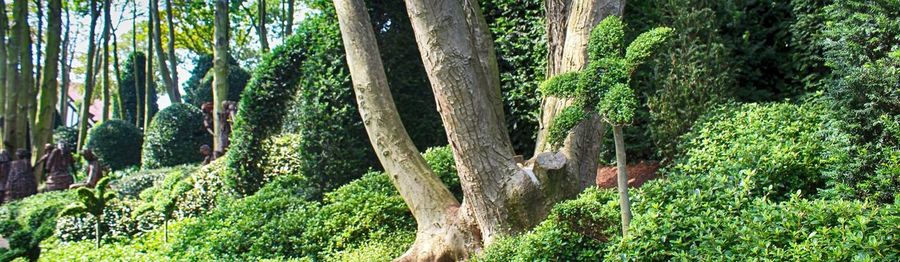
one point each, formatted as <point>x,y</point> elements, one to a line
<point>67,136</point>
<point>174,137</point>
<point>117,143</point>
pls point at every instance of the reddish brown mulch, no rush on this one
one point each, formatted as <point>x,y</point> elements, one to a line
<point>638,174</point>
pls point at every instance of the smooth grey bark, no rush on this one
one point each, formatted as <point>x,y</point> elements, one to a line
<point>43,124</point>
<point>220,73</point>
<point>89,79</point>
<point>621,166</point>
<point>173,60</point>
<point>171,89</point>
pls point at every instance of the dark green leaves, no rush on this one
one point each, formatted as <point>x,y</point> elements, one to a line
<point>565,121</point>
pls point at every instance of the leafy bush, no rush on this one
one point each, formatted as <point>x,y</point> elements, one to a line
<point>116,143</point>
<point>207,189</point>
<point>862,48</point>
<point>174,137</point>
<point>575,230</point>
<point>27,222</point>
<point>781,144</point>
<point>133,99</point>
<point>67,136</point>
<point>198,88</point>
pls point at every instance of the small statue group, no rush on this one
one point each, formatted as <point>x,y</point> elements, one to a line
<point>226,118</point>
<point>17,178</point>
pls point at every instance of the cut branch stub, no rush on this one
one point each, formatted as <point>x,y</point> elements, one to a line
<point>550,161</point>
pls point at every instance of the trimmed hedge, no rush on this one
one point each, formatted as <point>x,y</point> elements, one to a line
<point>198,88</point>
<point>174,137</point>
<point>116,143</point>
<point>67,136</point>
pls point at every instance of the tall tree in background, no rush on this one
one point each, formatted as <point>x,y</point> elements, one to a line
<point>289,23</point>
<point>171,89</point>
<point>500,197</point>
<point>148,84</point>
<point>25,92</point>
<point>107,26</point>
<point>261,27</point>
<point>85,115</point>
<point>220,73</point>
<point>173,61</point>
<point>3,90</point>
<point>43,124</point>
<point>65,68</point>
<point>39,5</point>
<point>138,119</point>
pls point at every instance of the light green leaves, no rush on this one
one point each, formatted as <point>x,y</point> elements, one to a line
<point>618,105</point>
<point>645,44</point>
<point>565,121</point>
<point>606,39</point>
<point>562,85</point>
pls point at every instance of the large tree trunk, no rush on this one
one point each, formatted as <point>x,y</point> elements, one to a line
<point>173,61</point>
<point>171,89</point>
<point>107,24</point>
<point>261,27</point>
<point>3,65</point>
<point>436,210</point>
<point>39,5</point>
<point>500,197</point>
<point>26,93</point>
<point>43,125</point>
<point>220,73</point>
<point>84,119</point>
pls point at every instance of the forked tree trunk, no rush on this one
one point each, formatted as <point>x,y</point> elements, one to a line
<point>43,125</point>
<point>501,198</point>
<point>171,89</point>
<point>89,79</point>
<point>220,73</point>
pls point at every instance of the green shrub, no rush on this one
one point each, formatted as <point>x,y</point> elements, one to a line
<point>282,156</point>
<point>862,48</point>
<point>131,98</point>
<point>116,143</point>
<point>27,222</point>
<point>575,230</point>
<point>207,190</point>
<point>198,88</point>
<point>174,137</point>
<point>780,144</point>
<point>67,136</point>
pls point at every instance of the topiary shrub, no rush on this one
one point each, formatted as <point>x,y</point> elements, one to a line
<point>67,136</point>
<point>116,143</point>
<point>27,222</point>
<point>174,137</point>
<point>133,99</point>
<point>198,88</point>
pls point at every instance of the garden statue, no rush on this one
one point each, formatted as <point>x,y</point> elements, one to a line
<point>94,170</point>
<point>206,152</point>
<point>227,117</point>
<point>57,165</point>
<point>48,148</point>
<point>20,183</point>
<point>4,172</point>
<point>207,109</point>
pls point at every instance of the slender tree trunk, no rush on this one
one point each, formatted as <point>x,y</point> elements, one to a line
<point>117,72</point>
<point>138,100</point>
<point>171,89</point>
<point>3,65</point>
<point>173,61</point>
<point>65,68</point>
<point>621,165</point>
<point>39,5</point>
<point>289,25</point>
<point>84,120</point>
<point>107,24</point>
<point>261,27</point>
<point>428,198</point>
<point>26,92</point>
<point>98,237</point>
<point>43,125</point>
<point>220,73</point>
<point>148,72</point>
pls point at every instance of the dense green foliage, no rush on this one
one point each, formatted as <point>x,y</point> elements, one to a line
<point>116,143</point>
<point>67,136</point>
<point>198,88</point>
<point>132,98</point>
<point>862,48</point>
<point>174,137</point>
<point>27,222</point>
